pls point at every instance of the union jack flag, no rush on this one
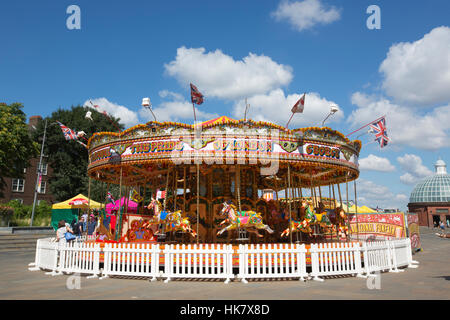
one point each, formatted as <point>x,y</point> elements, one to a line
<point>380,131</point>
<point>69,134</point>
<point>196,96</point>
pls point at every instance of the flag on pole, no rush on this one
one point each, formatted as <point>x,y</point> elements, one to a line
<point>299,106</point>
<point>69,134</point>
<point>160,194</point>
<point>380,131</point>
<point>40,182</point>
<point>110,198</point>
<point>196,96</point>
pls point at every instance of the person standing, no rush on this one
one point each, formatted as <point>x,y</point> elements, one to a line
<point>91,226</point>
<point>442,226</point>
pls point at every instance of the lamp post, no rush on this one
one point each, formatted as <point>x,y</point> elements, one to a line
<point>148,105</point>
<point>39,172</point>
<point>333,110</point>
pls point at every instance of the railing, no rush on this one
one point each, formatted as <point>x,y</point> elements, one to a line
<point>331,259</point>
<point>272,261</point>
<point>198,261</point>
<point>131,259</point>
<point>215,261</point>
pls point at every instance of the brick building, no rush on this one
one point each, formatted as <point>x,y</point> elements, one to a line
<point>430,198</point>
<point>23,189</point>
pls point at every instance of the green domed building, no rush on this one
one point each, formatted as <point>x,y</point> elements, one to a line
<point>431,197</point>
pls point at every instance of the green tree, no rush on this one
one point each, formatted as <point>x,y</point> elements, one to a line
<point>16,144</point>
<point>68,158</point>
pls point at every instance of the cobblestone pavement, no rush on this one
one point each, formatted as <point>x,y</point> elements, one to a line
<point>430,281</point>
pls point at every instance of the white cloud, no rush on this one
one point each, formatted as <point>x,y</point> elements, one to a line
<point>373,195</point>
<point>218,75</point>
<point>405,126</point>
<point>415,170</point>
<point>419,72</point>
<point>128,117</point>
<point>276,107</point>
<point>372,162</point>
<point>305,14</point>
<point>176,109</point>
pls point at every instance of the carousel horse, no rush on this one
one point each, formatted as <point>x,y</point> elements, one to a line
<point>176,222</point>
<point>340,219</point>
<point>103,232</point>
<point>307,218</point>
<point>243,219</point>
<point>173,220</point>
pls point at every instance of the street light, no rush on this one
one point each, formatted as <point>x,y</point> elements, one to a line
<point>333,110</point>
<point>148,105</point>
<point>39,171</point>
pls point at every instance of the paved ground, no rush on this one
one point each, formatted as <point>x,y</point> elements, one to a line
<point>430,281</point>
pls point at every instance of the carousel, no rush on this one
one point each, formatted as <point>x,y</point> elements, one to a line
<point>226,181</point>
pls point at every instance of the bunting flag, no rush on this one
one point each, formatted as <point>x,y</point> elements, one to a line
<point>40,182</point>
<point>134,195</point>
<point>69,134</point>
<point>196,96</point>
<point>300,105</point>
<point>380,131</point>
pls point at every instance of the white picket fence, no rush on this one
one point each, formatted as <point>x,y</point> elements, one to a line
<point>272,261</point>
<point>331,259</point>
<point>131,259</point>
<point>79,257</point>
<point>46,256</point>
<point>214,261</point>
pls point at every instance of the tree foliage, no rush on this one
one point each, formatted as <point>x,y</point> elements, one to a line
<point>69,159</point>
<point>16,144</point>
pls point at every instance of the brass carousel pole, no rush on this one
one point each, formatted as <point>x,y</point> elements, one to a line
<point>340,199</point>
<point>89,205</point>
<point>348,216</point>
<point>356,212</point>
<point>198,194</point>
<point>289,200</point>
<point>184,189</point>
<point>120,204</point>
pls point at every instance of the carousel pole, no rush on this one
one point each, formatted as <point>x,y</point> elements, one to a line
<point>89,205</point>
<point>238,194</point>
<point>290,199</point>
<point>198,194</point>
<point>340,199</point>
<point>329,196</point>
<point>348,216</point>
<point>184,189</point>
<point>175,191</point>
<point>120,204</point>
<point>356,212</point>
<point>166,195</point>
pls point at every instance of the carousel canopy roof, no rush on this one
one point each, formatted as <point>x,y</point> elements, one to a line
<point>316,156</point>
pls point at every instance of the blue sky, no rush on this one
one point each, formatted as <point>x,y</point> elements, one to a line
<point>269,52</point>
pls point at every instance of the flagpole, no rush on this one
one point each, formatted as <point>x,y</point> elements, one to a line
<point>366,125</point>
<point>289,120</point>
<point>195,117</point>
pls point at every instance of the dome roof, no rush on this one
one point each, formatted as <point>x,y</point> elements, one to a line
<point>433,189</point>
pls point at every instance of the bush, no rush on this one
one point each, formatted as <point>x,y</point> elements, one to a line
<point>22,214</point>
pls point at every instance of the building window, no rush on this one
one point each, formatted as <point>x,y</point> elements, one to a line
<point>43,187</point>
<point>18,185</point>
<point>43,168</point>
